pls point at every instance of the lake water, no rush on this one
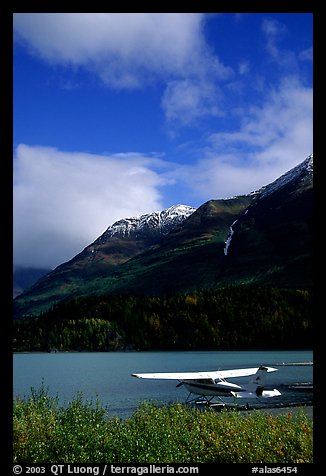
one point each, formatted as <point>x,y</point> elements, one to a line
<point>107,375</point>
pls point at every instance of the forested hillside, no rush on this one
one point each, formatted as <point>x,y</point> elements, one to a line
<point>243,317</point>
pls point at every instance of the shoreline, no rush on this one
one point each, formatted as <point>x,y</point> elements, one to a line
<point>277,409</point>
<point>306,408</point>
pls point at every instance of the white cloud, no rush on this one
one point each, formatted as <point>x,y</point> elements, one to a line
<point>131,50</point>
<point>276,120</point>
<point>63,200</point>
<point>272,139</point>
<point>244,68</point>
<point>306,55</point>
<point>186,101</point>
<point>119,44</point>
<point>274,32</point>
<point>148,40</point>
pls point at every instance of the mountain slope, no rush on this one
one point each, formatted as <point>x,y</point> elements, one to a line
<point>264,237</point>
<point>23,278</point>
<point>273,241</point>
<point>120,242</point>
<point>188,258</point>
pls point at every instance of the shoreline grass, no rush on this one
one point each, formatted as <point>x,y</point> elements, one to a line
<point>84,432</point>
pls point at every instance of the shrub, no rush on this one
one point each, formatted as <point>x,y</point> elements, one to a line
<point>84,432</point>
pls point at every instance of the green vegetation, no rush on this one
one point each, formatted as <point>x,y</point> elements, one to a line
<point>45,432</point>
<point>143,263</point>
<point>242,317</point>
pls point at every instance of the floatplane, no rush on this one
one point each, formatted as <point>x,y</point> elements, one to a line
<point>203,387</point>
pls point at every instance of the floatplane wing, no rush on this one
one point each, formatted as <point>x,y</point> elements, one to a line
<point>215,374</point>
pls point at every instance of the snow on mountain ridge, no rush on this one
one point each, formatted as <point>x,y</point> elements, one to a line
<point>305,167</point>
<point>160,221</point>
<point>295,172</point>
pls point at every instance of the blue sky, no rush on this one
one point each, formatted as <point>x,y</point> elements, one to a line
<point>116,115</point>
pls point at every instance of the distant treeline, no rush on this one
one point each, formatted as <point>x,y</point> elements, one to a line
<point>243,317</point>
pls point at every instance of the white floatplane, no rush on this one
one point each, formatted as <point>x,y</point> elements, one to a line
<point>208,385</point>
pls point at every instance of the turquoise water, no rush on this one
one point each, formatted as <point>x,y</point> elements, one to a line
<point>107,375</point>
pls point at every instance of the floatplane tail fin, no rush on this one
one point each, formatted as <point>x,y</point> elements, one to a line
<point>256,386</point>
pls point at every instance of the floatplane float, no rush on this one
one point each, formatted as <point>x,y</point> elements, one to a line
<point>203,387</point>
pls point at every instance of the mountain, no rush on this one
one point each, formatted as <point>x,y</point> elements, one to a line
<point>119,243</point>
<point>264,238</point>
<point>273,241</point>
<point>25,277</point>
<point>123,240</point>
